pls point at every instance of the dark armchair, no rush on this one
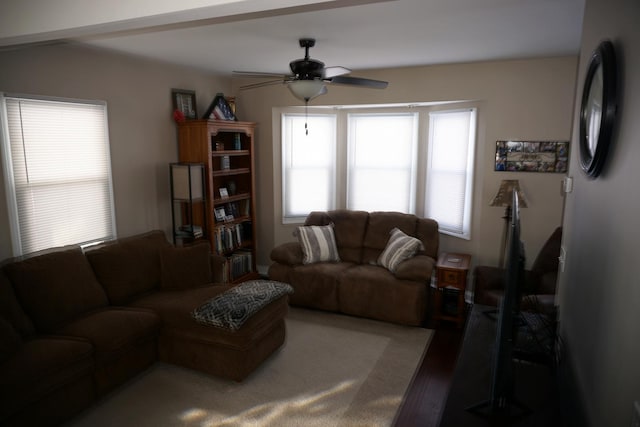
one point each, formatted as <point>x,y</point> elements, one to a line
<point>540,281</point>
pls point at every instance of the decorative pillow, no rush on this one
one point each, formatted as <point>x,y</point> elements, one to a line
<point>56,287</point>
<point>400,247</point>
<point>129,266</point>
<point>232,308</point>
<point>185,267</point>
<point>318,243</point>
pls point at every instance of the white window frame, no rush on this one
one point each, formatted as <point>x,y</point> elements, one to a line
<point>61,237</point>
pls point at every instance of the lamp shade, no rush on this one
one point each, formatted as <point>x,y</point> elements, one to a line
<point>504,195</point>
<point>306,90</point>
<point>186,181</point>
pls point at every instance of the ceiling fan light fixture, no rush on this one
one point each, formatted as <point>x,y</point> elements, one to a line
<point>305,90</point>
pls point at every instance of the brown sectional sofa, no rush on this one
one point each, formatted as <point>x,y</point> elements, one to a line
<point>357,285</point>
<point>74,324</point>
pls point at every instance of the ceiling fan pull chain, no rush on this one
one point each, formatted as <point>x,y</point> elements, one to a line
<point>306,117</point>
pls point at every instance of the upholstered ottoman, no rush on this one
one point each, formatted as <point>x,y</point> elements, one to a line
<point>224,350</point>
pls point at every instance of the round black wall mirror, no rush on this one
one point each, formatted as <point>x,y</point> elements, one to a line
<point>598,109</point>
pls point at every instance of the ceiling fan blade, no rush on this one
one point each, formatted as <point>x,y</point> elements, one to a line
<point>330,72</point>
<point>258,74</point>
<point>358,81</point>
<point>261,84</point>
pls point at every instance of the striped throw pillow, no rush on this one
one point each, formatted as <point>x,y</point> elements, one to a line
<point>318,243</point>
<point>399,248</point>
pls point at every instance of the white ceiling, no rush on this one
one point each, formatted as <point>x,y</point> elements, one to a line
<point>261,35</point>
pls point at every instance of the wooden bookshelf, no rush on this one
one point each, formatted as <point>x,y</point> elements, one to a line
<point>226,148</point>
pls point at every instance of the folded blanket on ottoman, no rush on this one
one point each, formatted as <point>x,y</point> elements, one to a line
<point>232,308</point>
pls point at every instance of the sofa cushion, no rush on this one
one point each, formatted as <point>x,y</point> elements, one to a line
<point>377,235</point>
<point>10,340</point>
<point>54,288</point>
<point>316,285</point>
<point>130,266</point>
<point>373,291</point>
<point>112,330</point>
<point>318,244</point>
<point>186,266</point>
<point>349,229</point>
<point>400,247</point>
<point>11,310</point>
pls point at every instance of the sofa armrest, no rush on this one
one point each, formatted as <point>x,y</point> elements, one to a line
<point>217,268</point>
<point>417,268</point>
<point>288,253</point>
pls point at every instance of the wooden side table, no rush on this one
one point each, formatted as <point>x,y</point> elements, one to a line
<point>451,275</point>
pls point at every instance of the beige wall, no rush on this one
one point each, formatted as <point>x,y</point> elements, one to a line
<point>141,130</point>
<point>600,291</point>
<point>523,99</point>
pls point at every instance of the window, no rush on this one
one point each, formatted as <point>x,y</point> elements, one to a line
<point>450,170</point>
<point>308,161</point>
<point>382,162</point>
<point>57,172</point>
<point>415,159</point>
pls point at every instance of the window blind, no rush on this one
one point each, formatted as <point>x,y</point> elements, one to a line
<point>450,171</point>
<point>382,161</point>
<point>308,172</point>
<point>59,172</point>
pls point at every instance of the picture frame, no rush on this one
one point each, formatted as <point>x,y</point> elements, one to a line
<point>220,214</point>
<point>219,109</point>
<point>185,101</point>
<point>224,194</point>
<point>532,156</point>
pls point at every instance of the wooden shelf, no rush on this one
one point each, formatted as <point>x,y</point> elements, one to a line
<point>230,199</point>
<point>227,172</point>
<point>231,153</point>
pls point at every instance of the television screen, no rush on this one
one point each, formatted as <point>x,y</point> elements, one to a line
<point>501,402</point>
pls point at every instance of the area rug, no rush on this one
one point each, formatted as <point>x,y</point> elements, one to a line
<point>333,370</point>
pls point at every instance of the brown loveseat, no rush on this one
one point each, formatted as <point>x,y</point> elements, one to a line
<point>74,324</point>
<point>357,284</point>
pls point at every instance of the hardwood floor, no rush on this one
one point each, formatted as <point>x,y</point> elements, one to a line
<point>427,394</point>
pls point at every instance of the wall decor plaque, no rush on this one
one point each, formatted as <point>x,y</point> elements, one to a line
<point>532,156</point>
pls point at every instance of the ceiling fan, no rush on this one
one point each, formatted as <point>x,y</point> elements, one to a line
<point>309,76</point>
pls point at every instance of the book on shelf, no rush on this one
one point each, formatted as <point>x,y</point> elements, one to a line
<point>220,214</point>
<point>232,209</point>
<point>232,236</point>
<point>225,162</point>
<point>188,230</point>
<point>238,264</point>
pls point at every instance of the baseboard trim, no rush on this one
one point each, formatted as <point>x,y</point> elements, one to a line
<point>263,270</point>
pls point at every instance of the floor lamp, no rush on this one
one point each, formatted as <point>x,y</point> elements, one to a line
<point>503,198</point>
